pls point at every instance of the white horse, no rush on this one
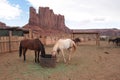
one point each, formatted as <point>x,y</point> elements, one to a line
<point>62,44</point>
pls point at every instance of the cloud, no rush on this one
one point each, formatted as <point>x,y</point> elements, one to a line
<point>9,11</point>
<point>83,12</point>
<point>81,9</point>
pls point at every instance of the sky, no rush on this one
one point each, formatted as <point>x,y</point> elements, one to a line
<point>79,14</point>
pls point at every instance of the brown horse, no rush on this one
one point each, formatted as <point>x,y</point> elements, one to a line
<point>76,40</point>
<point>32,44</point>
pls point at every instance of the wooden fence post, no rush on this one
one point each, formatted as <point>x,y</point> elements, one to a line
<point>30,34</point>
<point>98,39</point>
<point>10,36</point>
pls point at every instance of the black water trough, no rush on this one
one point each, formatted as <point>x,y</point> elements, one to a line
<point>48,61</point>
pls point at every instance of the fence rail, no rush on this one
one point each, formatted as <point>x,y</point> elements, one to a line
<point>11,43</point>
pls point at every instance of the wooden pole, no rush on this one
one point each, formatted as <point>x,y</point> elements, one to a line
<point>97,39</point>
<point>10,36</point>
<point>30,34</point>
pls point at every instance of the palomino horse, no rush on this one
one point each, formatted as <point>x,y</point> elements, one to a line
<point>62,44</point>
<point>32,44</point>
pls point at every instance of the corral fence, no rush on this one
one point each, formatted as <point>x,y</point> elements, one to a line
<point>49,39</point>
<point>10,42</point>
<point>10,39</point>
<point>85,37</point>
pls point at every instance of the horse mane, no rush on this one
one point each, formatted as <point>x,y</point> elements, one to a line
<point>42,47</point>
<point>76,40</point>
<point>43,51</point>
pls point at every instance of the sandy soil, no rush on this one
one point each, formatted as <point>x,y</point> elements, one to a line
<point>89,62</point>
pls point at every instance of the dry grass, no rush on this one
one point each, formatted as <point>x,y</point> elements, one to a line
<point>90,62</point>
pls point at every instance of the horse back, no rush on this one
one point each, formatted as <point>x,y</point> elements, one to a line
<point>65,43</point>
<point>31,44</point>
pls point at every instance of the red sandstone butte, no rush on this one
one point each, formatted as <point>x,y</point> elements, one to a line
<point>46,20</point>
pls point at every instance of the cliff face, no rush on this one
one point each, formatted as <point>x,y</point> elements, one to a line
<point>46,19</point>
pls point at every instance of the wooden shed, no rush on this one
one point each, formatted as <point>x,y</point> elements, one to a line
<point>89,35</point>
<point>15,31</point>
<point>10,38</point>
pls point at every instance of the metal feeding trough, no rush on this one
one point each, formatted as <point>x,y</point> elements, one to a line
<point>48,61</point>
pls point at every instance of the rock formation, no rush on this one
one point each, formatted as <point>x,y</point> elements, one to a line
<point>46,19</point>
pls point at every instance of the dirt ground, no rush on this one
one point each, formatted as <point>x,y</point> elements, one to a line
<point>89,62</point>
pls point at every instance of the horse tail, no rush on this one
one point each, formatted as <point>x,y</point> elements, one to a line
<point>20,50</point>
<point>74,46</point>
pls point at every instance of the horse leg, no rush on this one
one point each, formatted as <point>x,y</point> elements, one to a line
<point>69,56</point>
<point>38,56</point>
<point>70,51</point>
<point>117,44</point>
<point>35,56</point>
<point>24,52</point>
<point>63,55</point>
<point>58,56</point>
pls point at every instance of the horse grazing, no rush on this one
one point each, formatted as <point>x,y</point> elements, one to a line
<point>32,44</point>
<point>62,44</point>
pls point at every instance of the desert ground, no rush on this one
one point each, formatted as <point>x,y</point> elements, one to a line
<point>89,62</point>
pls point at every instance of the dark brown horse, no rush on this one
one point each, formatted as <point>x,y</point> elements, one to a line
<point>111,40</point>
<point>76,40</point>
<point>117,41</point>
<point>32,44</point>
